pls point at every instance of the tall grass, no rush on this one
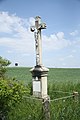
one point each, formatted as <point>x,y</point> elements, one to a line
<point>62,109</point>
<point>61,83</point>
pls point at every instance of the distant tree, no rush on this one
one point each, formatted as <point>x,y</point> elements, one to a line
<point>3,64</point>
<point>16,64</point>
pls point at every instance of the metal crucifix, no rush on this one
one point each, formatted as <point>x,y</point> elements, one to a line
<point>38,42</point>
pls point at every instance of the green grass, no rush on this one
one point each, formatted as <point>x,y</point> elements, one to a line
<point>59,79</point>
<point>65,79</point>
<point>19,73</point>
<point>64,75</point>
<point>55,75</point>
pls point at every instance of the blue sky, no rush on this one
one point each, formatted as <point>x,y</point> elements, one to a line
<point>60,41</point>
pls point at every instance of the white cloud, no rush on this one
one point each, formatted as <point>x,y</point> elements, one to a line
<point>74,51</point>
<point>61,59</point>
<point>77,42</point>
<point>63,64</point>
<point>31,21</point>
<point>68,57</point>
<point>55,41</point>
<point>11,23</point>
<point>21,39</point>
<point>25,54</point>
<point>8,21</point>
<point>74,33</point>
<point>60,35</point>
<point>19,45</point>
<point>9,51</point>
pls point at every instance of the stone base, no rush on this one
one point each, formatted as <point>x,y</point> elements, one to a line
<point>39,71</point>
<point>39,74</point>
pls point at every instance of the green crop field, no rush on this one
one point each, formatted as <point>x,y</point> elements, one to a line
<point>19,73</point>
<point>61,83</point>
<point>64,79</point>
<point>58,75</point>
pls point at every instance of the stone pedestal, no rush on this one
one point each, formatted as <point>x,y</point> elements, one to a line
<point>39,76</point>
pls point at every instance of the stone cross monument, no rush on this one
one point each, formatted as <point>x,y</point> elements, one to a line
<point>39,72</point>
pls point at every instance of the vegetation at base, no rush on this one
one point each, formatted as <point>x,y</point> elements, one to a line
<point>66,109</point>
<point>16,102</point>
<point>3,64</point>
<point>11,91</point>
<point>31,109</point>
<point>28,109</point>
<point>66,80</point>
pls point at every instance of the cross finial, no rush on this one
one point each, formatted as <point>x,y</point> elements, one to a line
<point>38,43</point>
